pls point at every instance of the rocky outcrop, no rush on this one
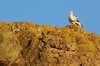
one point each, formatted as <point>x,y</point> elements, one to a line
<point>29,44</point>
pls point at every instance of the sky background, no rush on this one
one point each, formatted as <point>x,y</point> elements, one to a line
<point>52,12</point>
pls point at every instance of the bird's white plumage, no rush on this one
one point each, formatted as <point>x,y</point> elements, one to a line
<point>73,19</point>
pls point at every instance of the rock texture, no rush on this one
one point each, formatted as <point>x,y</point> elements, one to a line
<point>29,44</point>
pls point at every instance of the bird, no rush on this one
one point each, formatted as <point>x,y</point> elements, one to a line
<point>74,20</point>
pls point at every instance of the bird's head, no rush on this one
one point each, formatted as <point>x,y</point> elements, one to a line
<point>70,13</point>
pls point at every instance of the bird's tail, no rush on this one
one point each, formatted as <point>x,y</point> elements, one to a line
<point>81,25</point>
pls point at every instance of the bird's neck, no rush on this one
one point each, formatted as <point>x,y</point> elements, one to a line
<point>71,15</point>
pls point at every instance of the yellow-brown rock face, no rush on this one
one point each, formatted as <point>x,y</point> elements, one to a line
<point>29,44</point>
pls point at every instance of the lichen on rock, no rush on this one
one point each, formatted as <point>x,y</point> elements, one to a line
<point>30,44</point>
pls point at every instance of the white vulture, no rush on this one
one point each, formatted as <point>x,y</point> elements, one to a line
<point>74,20</point>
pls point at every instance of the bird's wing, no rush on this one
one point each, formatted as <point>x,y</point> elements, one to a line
<point>77,20</point>
<point>70,20</point>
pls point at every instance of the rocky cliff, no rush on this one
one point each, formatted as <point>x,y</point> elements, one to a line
<point>30,44</point>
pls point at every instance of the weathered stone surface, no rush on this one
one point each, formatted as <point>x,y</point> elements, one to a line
<point>29,44</point>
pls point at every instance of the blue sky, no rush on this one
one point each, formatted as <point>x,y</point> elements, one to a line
<point>52,12</point>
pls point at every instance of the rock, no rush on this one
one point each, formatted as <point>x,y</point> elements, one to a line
<point>30,44</point>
